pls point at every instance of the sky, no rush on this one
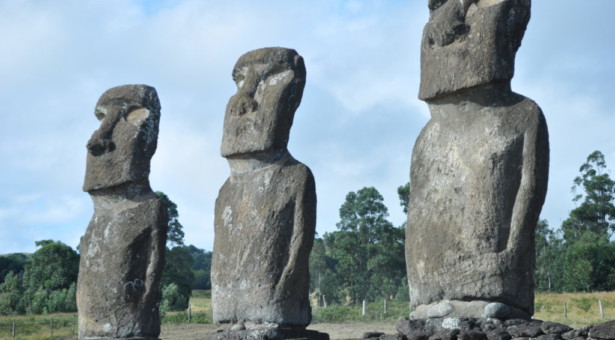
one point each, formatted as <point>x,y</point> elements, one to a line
<point>356,126</point>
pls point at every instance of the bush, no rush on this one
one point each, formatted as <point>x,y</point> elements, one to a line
<point>182,318</point>
<point>173,299</point>
<point>585,303</point>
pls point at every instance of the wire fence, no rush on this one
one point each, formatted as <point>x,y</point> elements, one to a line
<point>55,327</point>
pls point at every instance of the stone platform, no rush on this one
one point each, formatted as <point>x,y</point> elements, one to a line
<point>494,329</point>
<point>267,332</point>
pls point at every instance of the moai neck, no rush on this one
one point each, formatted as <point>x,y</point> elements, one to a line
<point>254,161</point>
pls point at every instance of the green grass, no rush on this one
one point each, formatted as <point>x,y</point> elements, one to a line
<point>34,327</point>
<point>581,308</point>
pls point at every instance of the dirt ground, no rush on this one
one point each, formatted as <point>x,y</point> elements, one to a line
<point>335,330</point>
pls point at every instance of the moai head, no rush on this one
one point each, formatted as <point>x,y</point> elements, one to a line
<point>258,117</point>
<point>467,43</point>
<point>121,149</point>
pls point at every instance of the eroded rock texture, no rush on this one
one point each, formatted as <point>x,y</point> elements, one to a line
<point>122,252</point>
<point>479,168</point>
<point>266,210</point>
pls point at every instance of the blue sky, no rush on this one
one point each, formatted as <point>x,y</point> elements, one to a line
<point>355,127</point>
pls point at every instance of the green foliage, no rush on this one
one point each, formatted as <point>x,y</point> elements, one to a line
<point>201,267</point>
<point>49,278</point>
<point>364,259</point>
<point>404,196</point>
<point>582,256</point>
<point>11,290</point>
<point>173,299</point>
<point>182,318</point>
<point>596,213</point>
<point>12,263</point>
<point>585,303</point>
<point>178,272</point>
<point>175,233</point>
<point>396,310</point>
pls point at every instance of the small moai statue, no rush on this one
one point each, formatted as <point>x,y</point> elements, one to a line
<point>265,214</point>
<point>122,251</point>
<point>479,168</point>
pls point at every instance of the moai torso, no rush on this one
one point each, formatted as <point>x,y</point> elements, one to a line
<point>122,251</point>
<point>266,211</point>
<point>479,170</point>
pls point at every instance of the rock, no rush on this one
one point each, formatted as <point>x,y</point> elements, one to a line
<point>269,333</point>
<point>549,337</point>
<point>122,251</point>
<point>265,213</point>
<point>479,168</point>
<point>372,335</point>
<point>529,329</point>
<point>603,331</point>
<point>554,328</point>
<point>576,333</point>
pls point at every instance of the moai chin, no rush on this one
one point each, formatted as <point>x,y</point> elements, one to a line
<point>479,168</point>
<point>122,251</point>
<point>265,213</point>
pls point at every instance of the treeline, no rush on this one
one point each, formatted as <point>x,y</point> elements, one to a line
<point>362,260</point>
<point>45,282</point>
<point>580,255</point>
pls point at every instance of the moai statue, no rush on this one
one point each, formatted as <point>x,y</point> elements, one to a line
<point>122,252</point>
<point>479,168</point>
<point>265,213</point>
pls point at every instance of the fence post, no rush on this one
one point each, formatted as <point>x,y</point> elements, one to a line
<point>385,306</point>
<point>601,310</point>
<point>72,331</point>
<point>324,300</point>
<point>565,311</point>
<point>363,311</point>
<point>52,326</point>
<point>189,313</point>
<point>13,333</point>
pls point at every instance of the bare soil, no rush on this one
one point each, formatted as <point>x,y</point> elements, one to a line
<point>335,330</point>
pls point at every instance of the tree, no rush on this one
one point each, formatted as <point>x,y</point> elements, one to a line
<point>12,263</point>
<point>201,267</point>
<point>11,292</point>
<point>175,234</point>
<point>596,213</point>
<point>50,276</point>
<point>367,248</point>
<point>404,196</point>
<point>178,271</point>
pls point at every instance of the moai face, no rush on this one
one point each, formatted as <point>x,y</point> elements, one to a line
<point>258,117</point>
<point>121,149</point>
<point>467,43</point>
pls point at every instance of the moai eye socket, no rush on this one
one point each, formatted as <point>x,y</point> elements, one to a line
<point>435,4</point>
<point>100,112</point>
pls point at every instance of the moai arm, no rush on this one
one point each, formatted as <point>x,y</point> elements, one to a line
<point>534,178</point>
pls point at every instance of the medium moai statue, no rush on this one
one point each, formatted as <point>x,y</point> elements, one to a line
<point>122,252</point>
<point>479,168</point>
<point>265,214</point>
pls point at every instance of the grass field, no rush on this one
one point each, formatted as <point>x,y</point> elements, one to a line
<point>339,321</point>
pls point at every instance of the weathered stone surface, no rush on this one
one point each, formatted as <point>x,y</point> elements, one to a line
<point>489,329</point>
<point>121,149</point>
<point>603,331</point>
<point>122,251</point>
<point>266,211</point>
<point>269,333</point>
<point>479,168</point>
<point>470,42</point>
<point>554,328</point>
<point>530,329</point>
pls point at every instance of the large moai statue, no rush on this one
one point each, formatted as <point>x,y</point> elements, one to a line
<point>265,213</point>
<point>122,252</point>
<point>479,168</point>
